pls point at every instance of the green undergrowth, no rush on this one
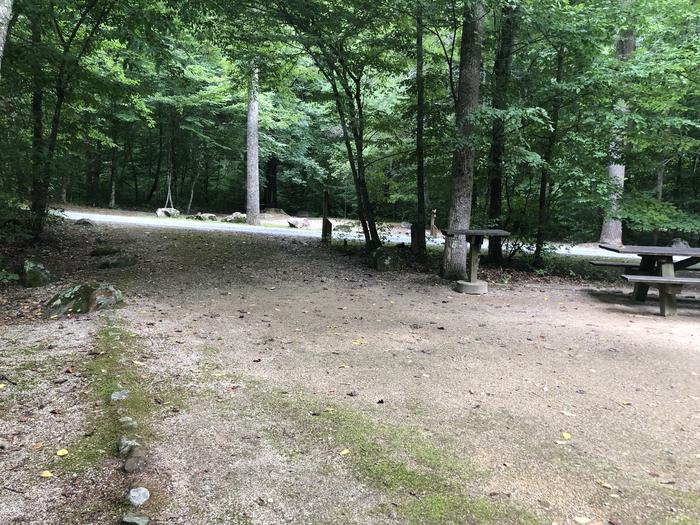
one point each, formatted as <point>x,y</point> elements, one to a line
<point>419,473</point>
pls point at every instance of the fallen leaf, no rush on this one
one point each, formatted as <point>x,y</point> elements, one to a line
<point>343,366</point>
<point>566,436</point>
<point>345,452</point>
<point>567,414</point>
<point>38,446</point>
<point>46,474</point>
<point>2,385</point>
<point>358,342</point>
<point>604,484</point>
<point>62,452</point>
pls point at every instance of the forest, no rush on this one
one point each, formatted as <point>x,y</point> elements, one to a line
<point>558,120</point>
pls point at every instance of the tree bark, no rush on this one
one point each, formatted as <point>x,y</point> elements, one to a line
<point>501,68</point>
<point>159,163</point>
<point>39,184</point>
<point>611,231</point>
<point>271,182</point>
<point>548,157</point>
<point>252,149</point>
<point>113,174</point>
<point>454,262</point>
<point>418,230</point>
<point>5,16</point>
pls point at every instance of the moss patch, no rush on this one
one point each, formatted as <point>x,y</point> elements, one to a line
<point>424,479</point>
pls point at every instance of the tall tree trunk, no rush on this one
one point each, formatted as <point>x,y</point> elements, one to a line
<point>418,229</point>
<point>5,16</point>
<point>454,262</point>
<point>548,157</point>
<point>113,174</point>
<point>39,186</point>
<point>611,232</point>
<point>270,197</point>
<point>169,179</point>
<point>159,162</point>
<point>252,149</point>
<point>95,170</point>
<point>501,70</point>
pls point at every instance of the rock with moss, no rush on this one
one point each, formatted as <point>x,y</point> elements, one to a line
<point>84,298</point>
<point>299,223</point>
<point>236,217</point>
<point>385,261</point>
<point>34,274</point>
<point>167,212</point>
<point>204,217</point>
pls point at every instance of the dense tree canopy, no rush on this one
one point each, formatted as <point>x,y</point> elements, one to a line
<point>116,103</point>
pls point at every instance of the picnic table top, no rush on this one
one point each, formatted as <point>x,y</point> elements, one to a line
<point>656,251</point>
<point>477,233</point>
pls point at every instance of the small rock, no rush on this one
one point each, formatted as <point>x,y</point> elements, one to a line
<point>581,520</point>
<point>135,461</point>
<point>167,212</point>
<point>126,446</point>
<point>135,519</point>
<point>298,223</point>
<point>128,422</point>
<point>34,274</point>
<point>138,496</point>
<point>120,395</point>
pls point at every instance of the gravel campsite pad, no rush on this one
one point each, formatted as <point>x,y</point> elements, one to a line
<point>274,381</point>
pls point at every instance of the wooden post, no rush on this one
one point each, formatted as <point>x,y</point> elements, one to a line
<point>646,267</point>
<point>433,228</point>
<point>474,252</point>
<point>667,293</point>
<point>327,231</point>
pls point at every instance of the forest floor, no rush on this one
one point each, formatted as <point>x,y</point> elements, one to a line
<point>274,381</point>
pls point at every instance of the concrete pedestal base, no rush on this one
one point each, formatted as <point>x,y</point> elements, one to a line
<point>477,288</point>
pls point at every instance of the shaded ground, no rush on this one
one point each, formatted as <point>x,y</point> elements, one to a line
<point>276,382</point>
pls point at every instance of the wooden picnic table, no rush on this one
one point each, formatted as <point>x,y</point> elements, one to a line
<point>657,264</point>
<point>475,238</point>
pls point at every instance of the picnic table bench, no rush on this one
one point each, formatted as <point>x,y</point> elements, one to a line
<point>658,269</point>
<point>475,238</point>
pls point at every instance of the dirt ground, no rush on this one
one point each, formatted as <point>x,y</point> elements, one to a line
<point>275,381</point>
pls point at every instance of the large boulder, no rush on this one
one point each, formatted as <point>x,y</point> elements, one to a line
<point>83,298</point>
<point>385,261</point>
<point>235,217</point>
<point>204,217</point>
<point>34,274</point>
<point>167,212</point>
<point>296,222</point>
<point>680,243</point>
